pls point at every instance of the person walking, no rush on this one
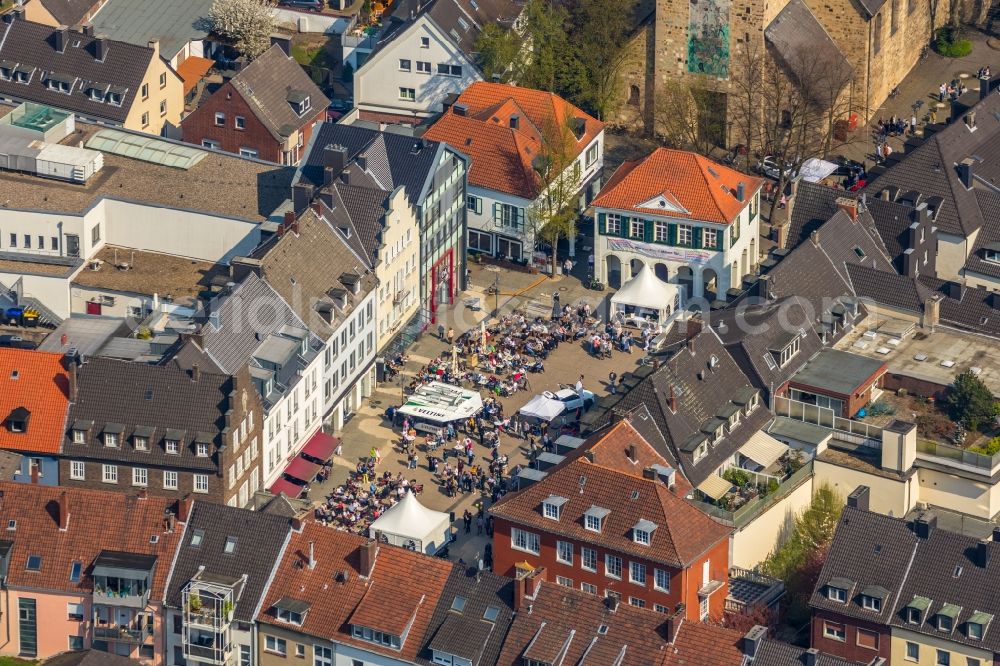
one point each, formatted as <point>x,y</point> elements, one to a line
<point>479,526</point>
<point>467,519</point>
<point>612,378</point>
<point>451,336</point>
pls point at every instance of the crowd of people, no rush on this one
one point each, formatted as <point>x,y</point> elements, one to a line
<point>365,496</point>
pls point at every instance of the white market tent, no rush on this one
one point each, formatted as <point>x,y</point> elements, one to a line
<point>442,403</point>
<point>412,525</point>
<point>814,170</point>
<point>542,408</point>
<point>646,295</point>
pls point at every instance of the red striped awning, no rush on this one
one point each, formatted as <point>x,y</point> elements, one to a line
<point>321,446</point>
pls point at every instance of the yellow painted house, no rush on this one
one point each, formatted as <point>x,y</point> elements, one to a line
<point>96,78</point>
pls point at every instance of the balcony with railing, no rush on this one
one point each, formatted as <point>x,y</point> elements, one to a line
<point>122,625</point>
<point>123,579</point>
<point>749,589</point>
<point>775,488</point>
<point>209,602</point>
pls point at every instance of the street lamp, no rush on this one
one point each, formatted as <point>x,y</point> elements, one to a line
<point>496,296</point>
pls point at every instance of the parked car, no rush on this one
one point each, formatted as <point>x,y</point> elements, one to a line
<point>311,5</point>
<point>568,396</point>
<point>16,341</point>
<point>769,167</point>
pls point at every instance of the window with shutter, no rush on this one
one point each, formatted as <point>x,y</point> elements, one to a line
<point>601,223</point>
<point>649,231</point>
<point>696,240</point>
<point>672,234</point>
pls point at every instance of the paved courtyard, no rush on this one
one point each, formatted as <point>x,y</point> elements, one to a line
<point>564,365</point>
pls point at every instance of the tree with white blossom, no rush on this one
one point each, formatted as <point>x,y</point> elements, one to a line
<point>247,23</point>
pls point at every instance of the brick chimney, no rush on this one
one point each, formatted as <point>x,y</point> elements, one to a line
<point>63,511</point>
<point>631,452</point>
<point>673,399</point>
<point>34,473</point>
<point>184,507</point>
<point>195,372</point>
<point>59,38</point>
<point>71,373</point>
<point>752,639</point>
<point>169,521</point>
<point>673,624</point>
<point>849,206</point>
<point>367,553</point>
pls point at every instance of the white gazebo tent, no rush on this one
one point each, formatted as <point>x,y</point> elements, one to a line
<point>646,296</point>
<point>543,408</point>
<point>412,525</point>
<point>442,403</point>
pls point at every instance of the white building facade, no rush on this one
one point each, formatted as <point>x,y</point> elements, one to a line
<point>414,72</point>
<point>649,217</point>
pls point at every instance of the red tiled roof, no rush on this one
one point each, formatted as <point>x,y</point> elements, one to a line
<point>502,156</point>
<point>683,533</point>
<point>612,451</point>
<point>193,70</point>
<point>98,521</point>
<point>40,385</point>
<point>702,644</point>
<point>702,187</point>
<point>402,582</point>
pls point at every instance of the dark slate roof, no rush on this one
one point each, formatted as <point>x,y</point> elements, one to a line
<point>989,235</point>
<point>260,542</point>
<point>298,267</point>
<point>249,314</point>
<point>977,310</point>
<point>266,85</point>
<point>410,162</point>
<point>89,658</point>
<point>772,652</point>
<point>888,288</point>
<point>363,208</point>
<point>849,243</point>
<point>69,12</point>
<point>892,221</point>
<point>113,393</point>
<point>871,6</point>
<point>813,204</point>
<point>32,45</point>
<point>867,549</point>
<point>808,272</point>
<point>751,334</point>
<point>465,632</point>
<point>698,400</point>
<point>946,570</point>
<point>795,32</point>
<point>930,168</point>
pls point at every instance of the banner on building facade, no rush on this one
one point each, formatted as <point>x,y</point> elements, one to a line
<point>678,254</point>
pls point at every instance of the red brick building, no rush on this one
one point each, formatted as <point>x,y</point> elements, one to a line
<point>604,531</point>
<point>267,111</point>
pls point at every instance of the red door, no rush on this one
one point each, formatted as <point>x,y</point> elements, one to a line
<point>93,308</point>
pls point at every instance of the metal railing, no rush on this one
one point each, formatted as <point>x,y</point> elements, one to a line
<point>958,454</point>
<point>743,515</point>
<point>853,431</point>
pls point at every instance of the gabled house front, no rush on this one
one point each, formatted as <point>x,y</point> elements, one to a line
<point>513,136</point>
<point>424,54</point>
<point>692,221</point>
<point>267,111</point>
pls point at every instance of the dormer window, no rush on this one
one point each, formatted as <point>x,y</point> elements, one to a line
<point>702,449</point>
<point>114,99</point>
<point>22,76</point>
<point>915,610</point>
<point>58,85</point>
<point>871,603</point>
<point>789,351</point>
<point>992,256</point>
<point>913,615</point>
<point>18,420</point>
<point>593,518</point>
<point>201,450</point>
<point>172,446</point>
<point>946,617</point>
<point>5,73</point>
<point>300,101</point>
<point>79,436</point>
<point>837,589</point>
<point>552,507</point>
<point>642,532</point>
<point>140,443</point>
<point>975,626</point>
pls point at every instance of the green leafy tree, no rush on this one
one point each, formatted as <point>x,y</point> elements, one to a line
<point>971,401</point>
<point>600,28</point>
<point>499,52</point>
<point>799,560</point>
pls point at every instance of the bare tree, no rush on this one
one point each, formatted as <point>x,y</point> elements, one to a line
<point>247,23</point>
<point>687,114</point>
<point>788,108</point>
<point>552,216</point>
